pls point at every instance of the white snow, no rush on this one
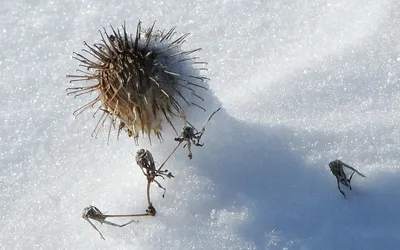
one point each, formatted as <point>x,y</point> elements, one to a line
<point>301,83</point>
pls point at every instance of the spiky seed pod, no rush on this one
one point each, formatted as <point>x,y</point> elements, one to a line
<point>141,82</point>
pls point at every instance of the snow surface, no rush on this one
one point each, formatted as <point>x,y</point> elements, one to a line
<point>301,83</point>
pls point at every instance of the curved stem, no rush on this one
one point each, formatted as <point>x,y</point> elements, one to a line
<point>148,192</point>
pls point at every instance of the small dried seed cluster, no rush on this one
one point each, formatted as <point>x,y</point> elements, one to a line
<point>337,167</point>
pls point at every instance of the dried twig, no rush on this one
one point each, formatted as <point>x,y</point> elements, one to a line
<point>92,212</point>
<point>190,134</point>
<point>338,171</point>
<point>146,163</point>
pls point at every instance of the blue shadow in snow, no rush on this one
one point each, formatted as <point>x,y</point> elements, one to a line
<point>253,166</point>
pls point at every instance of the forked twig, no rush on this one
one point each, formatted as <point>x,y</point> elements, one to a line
<point>146,163</point>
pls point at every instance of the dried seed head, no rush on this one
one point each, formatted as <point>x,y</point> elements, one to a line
<point>92,212</point>
<point>187,132</point>
<point>141,81</point>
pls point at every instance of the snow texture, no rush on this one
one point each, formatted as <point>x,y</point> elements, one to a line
<point>300,83</point>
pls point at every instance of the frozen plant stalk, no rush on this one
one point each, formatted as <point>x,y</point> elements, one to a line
<point>140,81</point>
